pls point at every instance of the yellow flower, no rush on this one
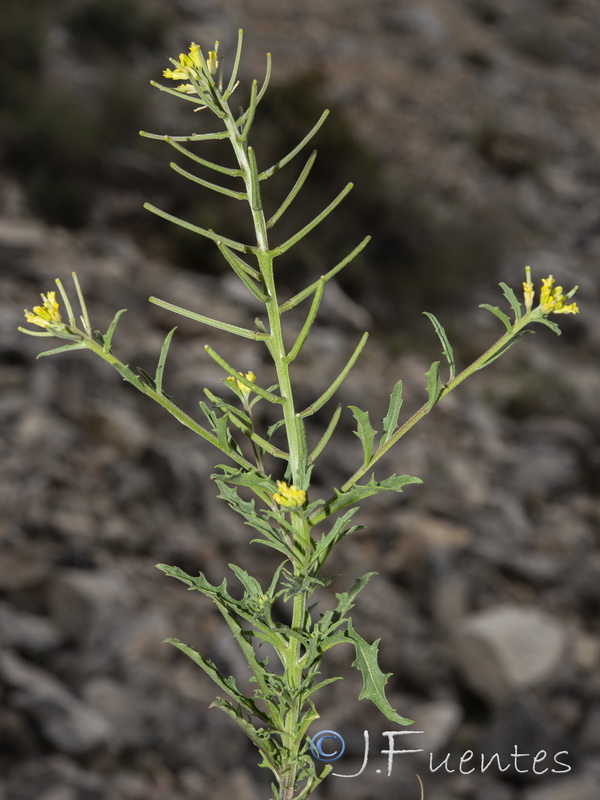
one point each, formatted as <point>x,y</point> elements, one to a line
<point>552,299</point>
<point>48,315</point>
<point>190,64</point>
<point>289,496</point>
<point>186,88</point>
<point>245,390</point>
<point>212,62</point>
<point>528,291</point>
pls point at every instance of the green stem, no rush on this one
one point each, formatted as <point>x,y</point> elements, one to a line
<point>428,406</point>
<point>296,438</point>
<point>162,400</point>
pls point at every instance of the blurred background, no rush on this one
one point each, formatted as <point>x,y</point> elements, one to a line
<point>471,132</point>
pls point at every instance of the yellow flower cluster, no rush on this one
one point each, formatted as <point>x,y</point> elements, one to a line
<point>47,315</point>
<point>289,496</point>
<point>552,299</point>
<point>190,65</point>
<point>245,390</point>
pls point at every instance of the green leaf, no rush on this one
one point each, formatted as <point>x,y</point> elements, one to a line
<point>282,248</point>
<point>322,443</point>
<point>512,299</point>
<point>301,584</point>
<point>346,599</point>
<point>337,532</point>
<point>498,313</point>
<point>250,584</point>
<point>434,385</point>
<point>147,379</point>
<point>228,685</point>
<point>246,333</point>
<point>549,324</point>
<point>365,432</point>
<point>506,347</point>
<point>374,679</point>
<point>306,292</point>
<point>294,191</point>
<point>358,492</point>
<point>162,360</point>
<point>215,187</point>
<point>390,421</point>
<point>257,736</point>
<point>328,393</point>
<point>111,329</point>
<point>62,349</point>
<point>286,159</point>
<point>446,347</point>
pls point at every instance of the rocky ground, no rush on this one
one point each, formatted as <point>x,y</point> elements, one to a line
<point>483,116</point>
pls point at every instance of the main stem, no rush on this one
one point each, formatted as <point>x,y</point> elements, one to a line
<point>294,427</point>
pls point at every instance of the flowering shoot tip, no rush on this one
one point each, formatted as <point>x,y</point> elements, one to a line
<point>47,315</point>
<point>289,496</point>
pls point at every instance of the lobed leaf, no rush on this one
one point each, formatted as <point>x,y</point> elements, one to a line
<point>374,679</point>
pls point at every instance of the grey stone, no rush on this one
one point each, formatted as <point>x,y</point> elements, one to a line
<point>438,719</point>
<point>507,648</point>
<point>69,724</point>
<point>86,604</point>
<point>27,632</point>
<point>579,787</point>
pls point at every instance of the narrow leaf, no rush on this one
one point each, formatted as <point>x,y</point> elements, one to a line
<point>162,360</point>
<point>506,347</point>
<point>327,435</point>
<point>237,263</point>
<point>434,385</point>
<point>208,184</point>
<point>365,432</point>
<point>255,197</point>
<point>225,684</point>
<point>84,312</point>
<point>193,137</point>
<point>312,313</point>
<point>266,80</point>
<point>498,313</point>
<point>337,532</point>
<point>286,159</point>
<point>181,95</point>
<point>272,398</point>
<point>313,223</point>
<point>549,324</point>
<point>108,337</point>
<point>236,64</point>
<point>234,173</point>
<point>294,190</point>
<point>512,299</point>
<point>66,302</point>
<point>62,349</point>
<point>327,394</point>
<point>249,114</point>
<point>446,348</point>
<point>390,421</point>
<point>243,248</point>
<point>246,333</point>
